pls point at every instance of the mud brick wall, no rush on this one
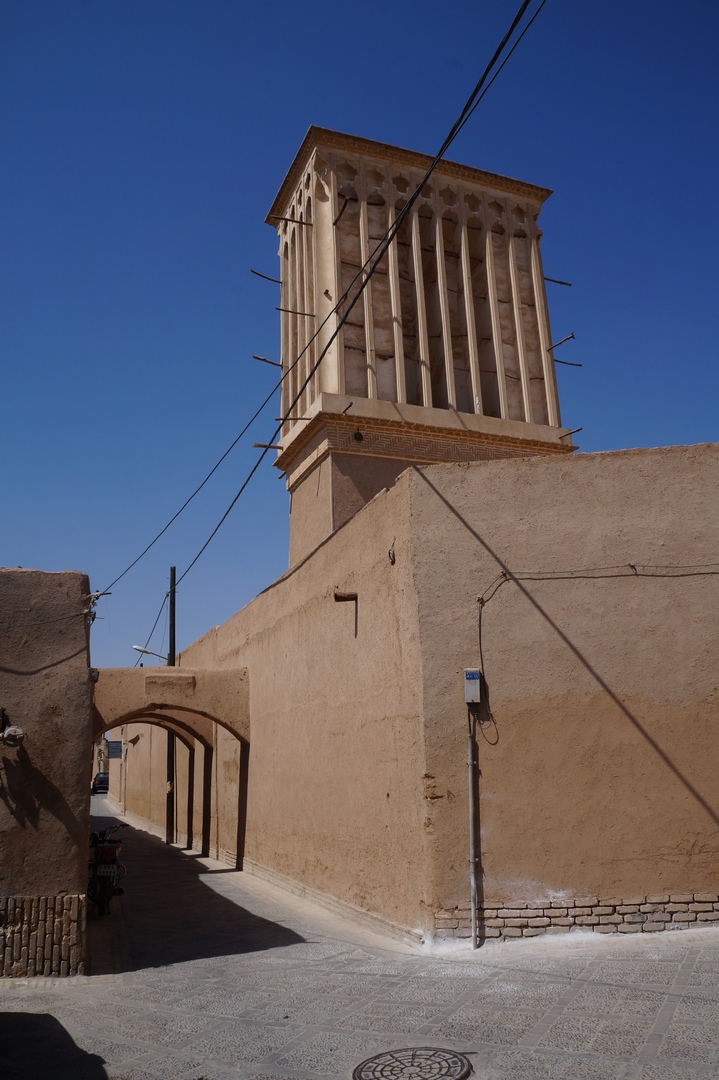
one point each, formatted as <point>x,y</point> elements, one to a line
<point>42,935</point>
<point>46,691</point>
<point>613,915</point>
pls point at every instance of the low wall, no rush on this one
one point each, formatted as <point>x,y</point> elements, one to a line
<point>45,689</point>
<point>42,935</point>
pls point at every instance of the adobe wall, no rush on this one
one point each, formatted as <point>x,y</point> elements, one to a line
<point>598,785</point>
<point>140,787</point>
<point>46,689</point>
<point>336,756</point>
<point>310,511</point>
<point>331,492</point>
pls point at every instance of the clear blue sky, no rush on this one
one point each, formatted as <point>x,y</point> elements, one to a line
<point>142,144</point>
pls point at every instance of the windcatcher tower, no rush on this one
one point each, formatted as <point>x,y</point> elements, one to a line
<point>446,356</point>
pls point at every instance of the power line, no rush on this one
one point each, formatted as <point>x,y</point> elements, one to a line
<point>45,622</point>
<point>198,489</point>
<point>383,243</point>
<point>499,69</point>
<point>247,426</point>
<point>625,571</point>
<point>599,573</point>
<point>376,257</point>
<point>87,613</point>
<point>585,573</point>
<point>154,625</point>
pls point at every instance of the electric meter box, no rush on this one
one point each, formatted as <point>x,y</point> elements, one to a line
<point>472,683</point>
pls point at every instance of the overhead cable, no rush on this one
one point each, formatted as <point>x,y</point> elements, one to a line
<point>154,627</point>
<point>383,244</point>
<point>198,489</point>
<point>377,256</point>
<point>600,573</point>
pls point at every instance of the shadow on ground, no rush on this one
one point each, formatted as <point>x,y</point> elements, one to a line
<point>33,1045</point>
<point>169,914</point>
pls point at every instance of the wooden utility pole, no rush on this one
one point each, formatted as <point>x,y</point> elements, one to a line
<point>170,797</point>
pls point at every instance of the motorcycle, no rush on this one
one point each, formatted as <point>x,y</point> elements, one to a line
<point>105,869</point>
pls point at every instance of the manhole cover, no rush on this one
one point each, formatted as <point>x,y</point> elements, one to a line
<point>419,1062</point>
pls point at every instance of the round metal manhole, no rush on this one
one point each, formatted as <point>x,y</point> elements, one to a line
<point>415,1062</point>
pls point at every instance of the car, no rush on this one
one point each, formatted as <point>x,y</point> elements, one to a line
<point>100,784</point>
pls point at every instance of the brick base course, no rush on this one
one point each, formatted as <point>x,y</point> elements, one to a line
<point>612,915</point>
<point>42,935</point>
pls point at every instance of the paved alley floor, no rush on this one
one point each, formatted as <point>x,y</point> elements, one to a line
<point>203,972</point>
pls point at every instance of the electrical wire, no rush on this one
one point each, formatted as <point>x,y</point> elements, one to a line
<point>154,625</point>
<point>586,573</point>
<point>499,69</point>
<point>366,274</point>
<point>601,573</point>
<point>199,488</point>
<point>384,242</point>
<point>44,622</point>
<point>87,613</point>
<point>592,573</point>
<point>707,569</point>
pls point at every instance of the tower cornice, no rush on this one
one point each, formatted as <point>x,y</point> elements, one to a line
<point>325,138</point>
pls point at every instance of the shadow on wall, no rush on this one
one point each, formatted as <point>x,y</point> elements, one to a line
<point>170,914</point>
<point>25,791</point>
<point>689,787</point>
<point>36,1044</point>
<point>45,667</point>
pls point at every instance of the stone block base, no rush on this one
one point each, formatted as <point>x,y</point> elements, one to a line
<point>42,935</point>
<point>609,915</point>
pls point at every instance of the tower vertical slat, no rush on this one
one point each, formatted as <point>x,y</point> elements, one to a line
<point>286,391</point>
<point>519,327</point>
<point>396,313</point>
<point>292,319</point>
<point>469,312</point>
<point>338,346</point>
<point>421,312</point>
<point>496,324</point>
<point>310,298</point>
<point>444,305</point>
<point>302,305</point>
<point>367,294</point>
<point>540,300</point>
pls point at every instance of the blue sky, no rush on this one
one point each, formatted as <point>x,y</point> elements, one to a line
<point>143,142</point>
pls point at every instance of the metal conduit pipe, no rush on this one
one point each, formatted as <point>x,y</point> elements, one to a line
<point>471,763</point>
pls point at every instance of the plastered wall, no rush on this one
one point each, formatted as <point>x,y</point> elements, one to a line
<point>597,752</point>
<point>596,747</point>
<point>335,769</point>
<point>45,689</point>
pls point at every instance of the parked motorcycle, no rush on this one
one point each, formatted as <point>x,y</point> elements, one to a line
<point>105,870</point>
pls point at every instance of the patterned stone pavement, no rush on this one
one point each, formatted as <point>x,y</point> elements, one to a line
<point>202,972</point>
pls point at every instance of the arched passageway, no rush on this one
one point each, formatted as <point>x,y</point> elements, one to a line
<point>176,726</point>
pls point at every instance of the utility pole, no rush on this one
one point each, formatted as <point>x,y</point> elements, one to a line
<point>171,649</point>
<point>170,804</point>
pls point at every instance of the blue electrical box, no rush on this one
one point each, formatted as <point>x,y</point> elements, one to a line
<point>472,684</point>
